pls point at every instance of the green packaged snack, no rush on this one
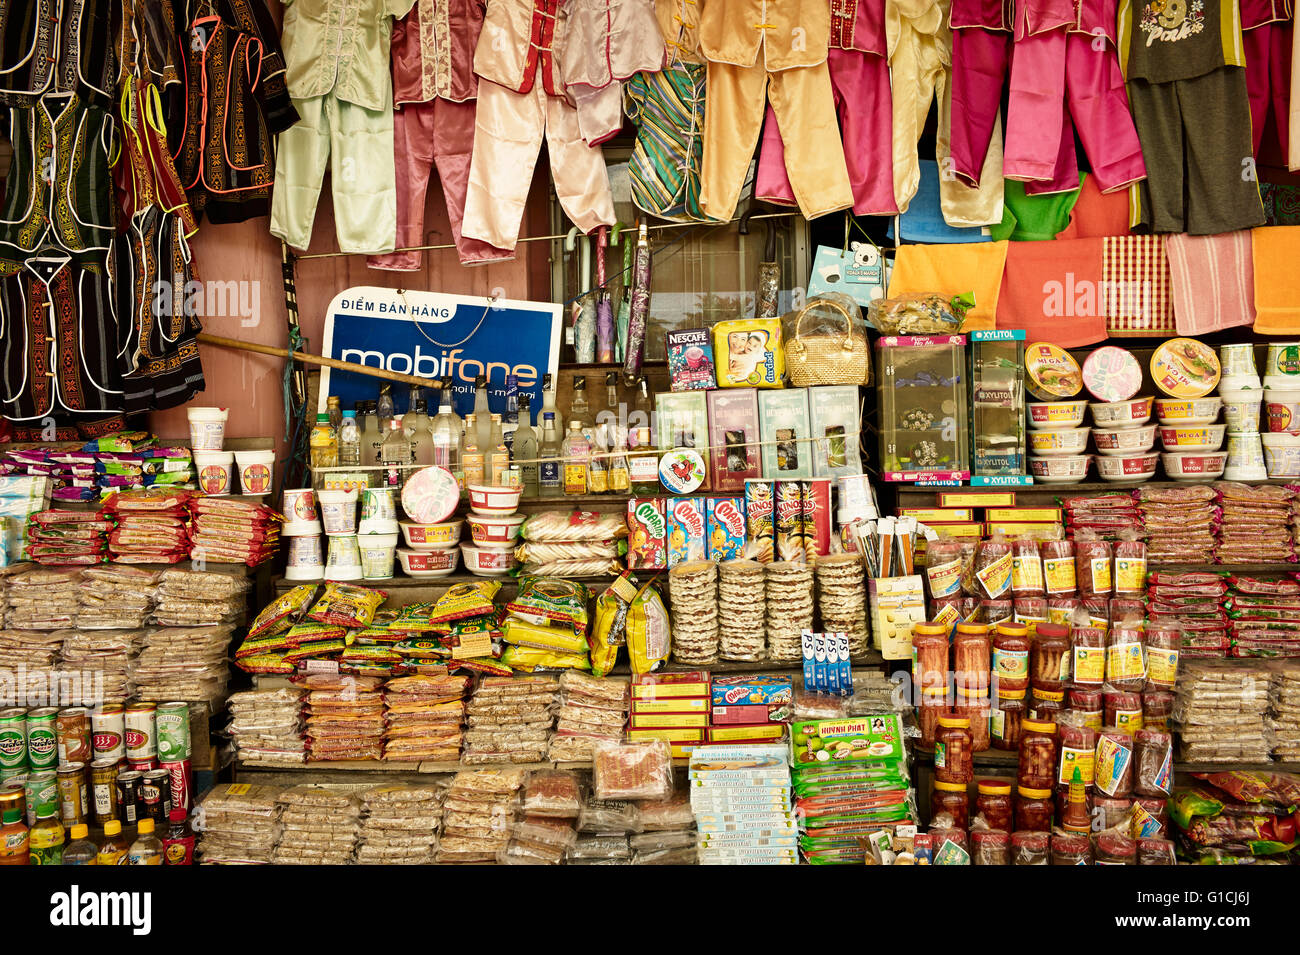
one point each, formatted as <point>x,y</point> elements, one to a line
<point>316,648</point>
<point>547,601</point>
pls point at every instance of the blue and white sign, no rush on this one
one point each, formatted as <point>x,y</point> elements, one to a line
<point>432,335</point>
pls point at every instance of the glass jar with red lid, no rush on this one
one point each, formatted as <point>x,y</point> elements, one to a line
<point>1033,809</point>
<point>927,715</point>
<point>953,799</point>
<point>993,802</point>
<point>1037,768</point>
<point>1029,847</point>
<point>952,751</point>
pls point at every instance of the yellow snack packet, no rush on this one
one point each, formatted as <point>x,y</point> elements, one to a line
<point>535,658</point>
<point>561,638</point>
<point>465,600</point>
<point>647,631</point>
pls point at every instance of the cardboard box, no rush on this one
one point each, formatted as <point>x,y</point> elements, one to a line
<point>740,734</point>
<point>1024,514</point>
<point>752,713</point>
<point>660,686</point>
<point>977,499</point>
<point>679,704</point>
<point>752,689</point>
<point>938,515</point>
<point>669,736</point>
<point>658,721</point>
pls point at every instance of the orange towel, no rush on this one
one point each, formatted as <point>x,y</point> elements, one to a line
<point>953,270</point>
<point>1277,280</point>
<point>1053,290</point>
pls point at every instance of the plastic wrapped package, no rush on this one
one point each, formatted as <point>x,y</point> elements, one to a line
<point>1162,651</point>
<point>1155,852</point>
<point>1030,847</point>
<point>1113,770</point>
<point>1049,659</point>
<point>636,769</point>
<point>1059,572</point>
<point>1153,756</point>
<point>944,568</point>
<point>917,314</point>
<point>1114,847</point>
<point>609,815</point>
<point>1125,658</point>
<point>1130,566</point>
<point>992,570</point>
<point>990,847</point>
<point>1123,710</point>
<point>1026,568</point>
<point>552,793</point>
<point>1071,849</point>
<point>1089,656</point>
<point>1093,565</point>
<point>672,813</point>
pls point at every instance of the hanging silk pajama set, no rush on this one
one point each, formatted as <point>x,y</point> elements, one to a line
<point>1266,33</point>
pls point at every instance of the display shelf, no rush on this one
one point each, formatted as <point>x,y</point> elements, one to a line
<point>1000,759</point>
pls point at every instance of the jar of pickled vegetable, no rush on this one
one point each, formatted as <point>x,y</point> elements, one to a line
<point>1037,769</point>
<point>929,657</point>
<point>1005,718</point>
<point>1010,658</point>
<point>990,847</point>
<point>952,799</point>
<point>970,657</point>
<point>976,709</point>
<point>1071,849</point>
<point>993,802</point>
<point>952,751</point>
<point>1045,706</point>
<point>1034,809</point>
<point>1029,847</point>
<point>1049,659</point>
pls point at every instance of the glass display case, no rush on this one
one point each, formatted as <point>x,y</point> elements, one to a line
<point>923,416</point>
<point>997,374</point>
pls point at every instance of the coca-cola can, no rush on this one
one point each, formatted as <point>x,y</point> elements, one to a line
<point>72,731</point>
<point>141,739</point>
<point>181,782</point>
<point>816,514</point>
<point>108,732</point>
<point>144,765</point>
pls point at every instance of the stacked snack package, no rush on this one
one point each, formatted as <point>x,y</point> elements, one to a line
<point>672,707</point>
<point>742,610</point>
<point>633,616</point>
<point>667,835</point>
<point>789,590</point>
<point>1180,523</point>
<point>1254,524</point>
<point>1264,617</point>
<point>604,827</point>
<point>741,799</point>
<point>238,824</point>
<point>640,772</point>
<point>423,716</point>
<point>1221,713</point>
<point>112,596</point>
<point>95,665</point>
<point>345,717</point>
<point>127,459</point>
<point>193,598</point>
<point>693,589</point>
<point>182,663</point>
<point>842,598</point>
<point>1284,709</point>
<point>43,599</point>
<point>29,662</point>
<point>591,708</point>
<point>510,720</point>
<point>851,780</point>
<point>267,644</point>
<point>1193,603</point>
<point>151,527</point>
<point>544,832</point>
<point>1106,515</point>
<point>323,634</point>
<point>400,824</point>
<point>231,530</point>
<point>1237,817</point>
<point>464,624</point>
<point>266,726</point>
<point>62,537</point>
<point>873,692</point>
<point>547,626</point>
<point>572,544</point>
<point>317,826</point>
<point>477,814</point>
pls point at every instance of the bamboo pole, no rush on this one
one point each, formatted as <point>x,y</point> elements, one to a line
<point>222,342</point>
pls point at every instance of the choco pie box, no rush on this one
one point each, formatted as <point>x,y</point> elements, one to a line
<point>751,699</point>
<point>647,533</point>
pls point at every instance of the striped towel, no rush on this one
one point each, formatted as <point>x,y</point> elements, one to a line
<point>1213,281</point>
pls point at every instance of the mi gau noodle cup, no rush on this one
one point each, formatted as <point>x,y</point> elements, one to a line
<point>207,428</point>
<point>215,472</point>
<point>338,510</point>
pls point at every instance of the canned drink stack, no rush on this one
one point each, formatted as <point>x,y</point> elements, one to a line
<point>108,732</point>
<point>42,741</point>
<point>72,733</point>
<point>172,728</point>
<point>140,731</point>
<point>13,743</point>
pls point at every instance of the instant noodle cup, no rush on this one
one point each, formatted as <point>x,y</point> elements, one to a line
<point>430,495</point>
<point>256,471</point>
<point>1245,457</point>
<point>1238,360</point>
<point>1241,408</point>
<point>344,559</point>
<point>305,559</point>
<point>207,428</point>
<point>1052,374</point>
<point>1282,409</point>
<point>214,472</point>
<point>1282,454</point>
<point>1112,374</point>
<point>1049,415</point>
<point>378,512</point>
<point>1283,361</point>
<point>1185,368</point>
<point>339,511</point>
<point>299,505</point>
<point>377,555</point>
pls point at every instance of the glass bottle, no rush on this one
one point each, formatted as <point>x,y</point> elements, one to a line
<point>349,441</point>
<point>80,850</point>
<point>510,420</point>
<point>577,457</point>
<point>334,410</point>
<point>498,456</point>
<point>113,850</point>
<point>550,476</point>
<point>418,431</point>
<point>384,408</point>
<point>643,413</point>
<point>395,455</point>
<point>374,435</point>
<point>525,448</point>
<point>643,465</point>
<point>445,432</point>
<point>178,844</point>
<point>473,459</point>
<point>324,446</point>
<point>482,414</point>
<point>147,848</point>
<point>616,465</point>
<point>580,412</point>
<point>548,403</point>
<point>45,840</point>
<point>14,848</point>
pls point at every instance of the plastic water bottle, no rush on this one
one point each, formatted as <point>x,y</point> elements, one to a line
<point>349,441</point>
